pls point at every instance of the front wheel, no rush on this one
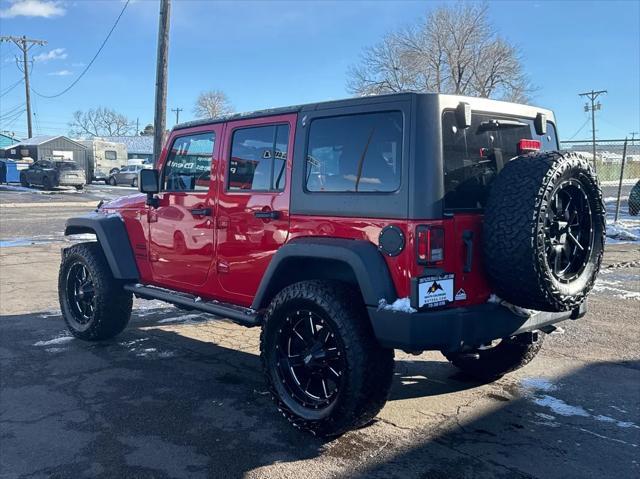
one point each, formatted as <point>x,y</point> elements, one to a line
<point>46,183</point>
<point>325,370</point>
<point>134,183</point>
<point>112,181</point>
<point>79,187</point>
<point>494,361</point>
<point>94,304</point>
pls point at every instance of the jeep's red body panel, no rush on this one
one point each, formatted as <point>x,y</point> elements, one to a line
<point>223,256</point>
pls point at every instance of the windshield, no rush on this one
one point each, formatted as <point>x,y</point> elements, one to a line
<point>66,165</point>
<point>473,156</point>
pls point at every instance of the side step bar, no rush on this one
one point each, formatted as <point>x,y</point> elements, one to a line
<point>238,314</point>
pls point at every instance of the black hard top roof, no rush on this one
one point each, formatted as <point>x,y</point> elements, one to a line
<point>298,108</point>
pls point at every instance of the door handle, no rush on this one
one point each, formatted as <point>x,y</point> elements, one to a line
<point>201,212</point>
<point>267,215</point>
<point>467,237</point>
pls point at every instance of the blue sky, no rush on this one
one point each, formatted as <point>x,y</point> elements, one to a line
<point>266,54</point>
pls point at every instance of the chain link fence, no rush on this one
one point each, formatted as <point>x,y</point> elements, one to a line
<point>618,168</point>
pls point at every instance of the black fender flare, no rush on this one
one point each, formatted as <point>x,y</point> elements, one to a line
<point>360,257</point>
<point>112,235</point>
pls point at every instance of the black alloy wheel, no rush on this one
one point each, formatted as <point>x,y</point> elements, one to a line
<point>310,360</point>
<point>81,294</point>
<point>568,231</point>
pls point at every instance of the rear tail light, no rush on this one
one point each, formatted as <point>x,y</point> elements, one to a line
<point>430,244</point>
<point>527,146</point>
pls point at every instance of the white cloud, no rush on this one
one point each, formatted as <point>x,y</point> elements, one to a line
<point>60,73</point>
<point>55,54</point>
<point>33,8</point>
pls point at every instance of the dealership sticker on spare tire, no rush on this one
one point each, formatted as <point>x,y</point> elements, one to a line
<point>433,291</point>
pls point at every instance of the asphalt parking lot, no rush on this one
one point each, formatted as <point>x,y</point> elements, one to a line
<point>180,395</point>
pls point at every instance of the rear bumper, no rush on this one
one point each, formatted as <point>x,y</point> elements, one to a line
<point>71,181</point>
<point>451,329</point>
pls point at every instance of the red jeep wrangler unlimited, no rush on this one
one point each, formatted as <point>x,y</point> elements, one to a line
<point>347,229</point>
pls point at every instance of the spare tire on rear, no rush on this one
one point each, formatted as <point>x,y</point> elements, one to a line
<point>544,231</point>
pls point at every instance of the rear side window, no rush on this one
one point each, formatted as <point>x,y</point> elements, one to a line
<point>110,155</point>
<point>473,156</point>
<point>258,158</point>
<point>188,166</point>
<point>355,153</point>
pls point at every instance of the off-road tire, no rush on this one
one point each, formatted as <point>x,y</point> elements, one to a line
<point>23,181</point>
<point>112,307</point>
<point>369,367</point>
<point>507,356</point>
<point>514,234</point>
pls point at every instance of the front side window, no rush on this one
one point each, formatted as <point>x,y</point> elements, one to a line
<point>473,156</point>
<point>110,155</point>
<point>188,166</point>
<point>355,153</point>
<point>258,158</point>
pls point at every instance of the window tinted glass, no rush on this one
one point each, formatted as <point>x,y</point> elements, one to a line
<point>188,166</point>
<point>472,156</point>
<point>355,153</point>
<point>258,158</point>
<point>66,165</point>
<point>110,155</point>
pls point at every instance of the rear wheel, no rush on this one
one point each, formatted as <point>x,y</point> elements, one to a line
<point>326,372</point>
<point>46,183</point>
<point>23,181</point>
<point>79,187</point>
<point>134,183</point>
<point>94,304</point>
<point>495,360</point>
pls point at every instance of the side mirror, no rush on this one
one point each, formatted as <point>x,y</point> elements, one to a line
<point>540,123</point>
<point>463,115</point>
<point>149,183</point>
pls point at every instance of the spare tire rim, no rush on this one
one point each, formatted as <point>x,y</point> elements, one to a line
<point>81,293</point>
<point>310,360</point>
<point>568,231</point>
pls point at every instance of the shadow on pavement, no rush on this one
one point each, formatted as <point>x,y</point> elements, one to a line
<point>154,403</point>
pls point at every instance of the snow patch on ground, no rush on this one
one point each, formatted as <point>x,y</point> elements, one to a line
<point>615,288</point>
<point>400,305</point>
<point>538,384</point>
<point>627,229</point>
<point>188,318</point>
<point>54,341</point>
<point>535,386</point>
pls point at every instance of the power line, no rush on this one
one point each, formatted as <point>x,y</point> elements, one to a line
<point>8,89</point>
<point>579,129</point>
<point>92,60</point>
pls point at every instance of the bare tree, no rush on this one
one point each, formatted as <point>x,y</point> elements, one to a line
<point>212,104</point>
<point>101,121</point>
<point>453,49</point>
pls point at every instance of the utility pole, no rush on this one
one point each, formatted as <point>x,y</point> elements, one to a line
<point>25,44</point>
<point>592,95</point>
<point>137,126</point>
<point>633,137</point>
<point>177,110</point>
<point>160,117</point>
